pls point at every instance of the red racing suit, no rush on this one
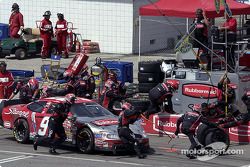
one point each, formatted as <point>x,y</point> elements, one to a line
<point>15,22</point>
<point>46,31</point>
<point>7,80</point>
<point>157,95</point>
<point>61,35</point>
<point>190,122</point>
<point>111,93</point>
<point>232,24</point>
<point>126,117</point>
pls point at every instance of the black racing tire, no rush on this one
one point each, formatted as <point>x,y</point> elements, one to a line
<point>132,89</point>
<point>1,54</point>
<point>217,135</point>
<point>85,141</point>
<point>21,54</point>
<point>201,133</point>
<point>21,131</point>
<point>146,87</point>
<point>149,66</point>
<point>1,110</point>
<point>149,77</point>
<point>139,104</point>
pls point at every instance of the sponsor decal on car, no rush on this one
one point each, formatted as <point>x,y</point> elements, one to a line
<point>199,90</point>
<point>14,111</point>
<point>7,124</point>
<point>105,122</point>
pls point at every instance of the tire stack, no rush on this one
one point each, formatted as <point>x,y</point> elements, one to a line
<point>149,75</point>
<point>91,47</point>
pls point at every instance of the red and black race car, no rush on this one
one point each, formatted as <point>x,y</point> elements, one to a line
<point>89,126</point>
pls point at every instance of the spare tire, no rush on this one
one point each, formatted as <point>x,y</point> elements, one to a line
<point>149,66</point>
<point>146,87</point>
<point>201,133</point>
<point>217,135</point>
<point>149,77</point>
<point>139,104</point>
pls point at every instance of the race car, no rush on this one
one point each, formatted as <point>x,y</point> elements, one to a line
<point>89,126</point>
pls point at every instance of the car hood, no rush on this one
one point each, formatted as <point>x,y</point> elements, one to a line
<point>99,121</point>
<point>108,124</point>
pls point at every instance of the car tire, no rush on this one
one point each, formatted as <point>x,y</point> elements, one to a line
<point>1,110</point>
<point>149,77</point>
<point>217,135</point>
<point>1,54</point>
<point>85,141</point>
<point>146,87</point>
<point>201,133</point>
<point>139,104</point>
<point>21,54</point>
<point>149,66</point>
<point>21,131</point>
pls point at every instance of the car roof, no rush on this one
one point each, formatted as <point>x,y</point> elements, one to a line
<point>60,99</point>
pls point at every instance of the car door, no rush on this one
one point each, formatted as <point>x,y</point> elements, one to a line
<point>39,119</point>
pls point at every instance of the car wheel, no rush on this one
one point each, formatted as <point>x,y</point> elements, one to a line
<point>201,133</point>
<point>1,54</point>
<point>217,135</point>
<point>20,54</point>
<point>21,131</point>
<point>85,141</point>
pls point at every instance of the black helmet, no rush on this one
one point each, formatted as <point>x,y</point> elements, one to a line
<point>47,13</point>
<point>60,16</point>
<point>15,7</point>
<point>2,63</point>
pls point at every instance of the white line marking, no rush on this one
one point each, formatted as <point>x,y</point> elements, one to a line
<point>14,159</point>
<point>75,158</point>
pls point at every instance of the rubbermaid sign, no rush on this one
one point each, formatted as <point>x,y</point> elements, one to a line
<point>199,91</point>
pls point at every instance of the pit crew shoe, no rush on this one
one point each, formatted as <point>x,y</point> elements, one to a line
<point>52,151</point>
<point>35,145</point>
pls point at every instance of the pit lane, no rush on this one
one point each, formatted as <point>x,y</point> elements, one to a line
<point>162,154</point>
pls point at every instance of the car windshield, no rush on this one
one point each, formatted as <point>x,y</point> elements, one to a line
<point>89,110</point>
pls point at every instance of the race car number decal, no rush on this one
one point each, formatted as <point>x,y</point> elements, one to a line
<point>43,126</point>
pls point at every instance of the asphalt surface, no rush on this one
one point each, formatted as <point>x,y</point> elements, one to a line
<point>161,154</point>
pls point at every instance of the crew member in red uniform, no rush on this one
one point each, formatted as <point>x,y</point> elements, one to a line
<point>46,31</point>
<point>159,93</point>
<point>28,92</point>
<point>60,114</point>
<point>113,91</point>
<point>201,30</point>
<point>6,80</point>
<point>61,35</point>
<point>85,86</point>
<point>238,118</point>
<point>190,122</point>
<point>15,21</point>
<point>129,116</point>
